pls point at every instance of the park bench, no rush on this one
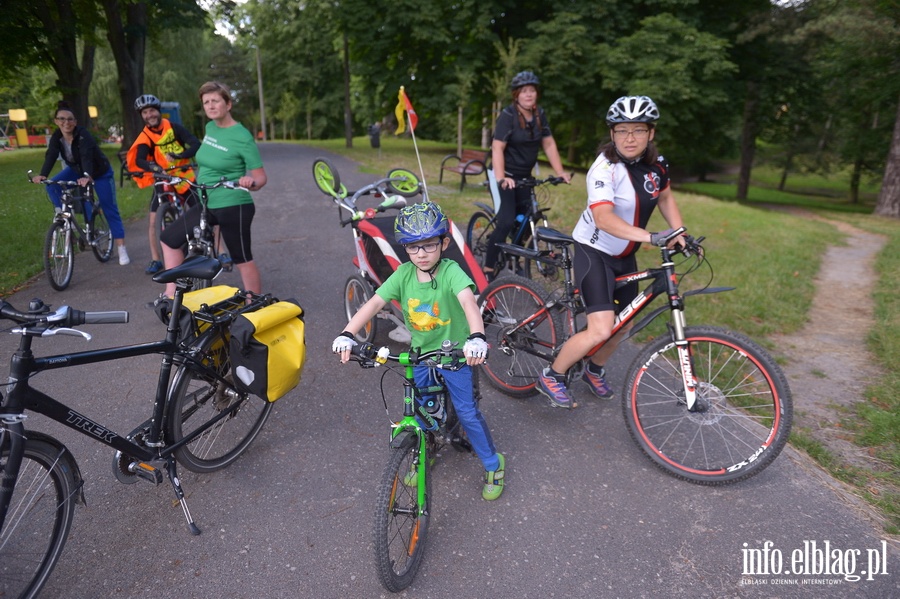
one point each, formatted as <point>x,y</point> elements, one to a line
<point>471,162</point>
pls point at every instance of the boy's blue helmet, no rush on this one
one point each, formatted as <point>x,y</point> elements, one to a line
<point>418,222</point>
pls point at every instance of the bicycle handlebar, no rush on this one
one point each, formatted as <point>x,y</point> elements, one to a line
<point>64,316</point>
<point>369,356</point>
<point>176,180</point>
<point>59,183</point>
<point>532,182</point>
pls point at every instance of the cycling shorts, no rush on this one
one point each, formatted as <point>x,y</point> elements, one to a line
<point>234,227</point>
<point>595,276</point>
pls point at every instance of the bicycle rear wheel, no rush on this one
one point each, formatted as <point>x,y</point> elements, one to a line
<point>480,228</point>
<point>357,291</point>
<point>59,255</point>
<point>401,520</point>
<point>521,333</point>
<point>197,399</point>
<point>101,237</point>
<point>745,407</point>
<point>327,178</point>
<point>37,524</point>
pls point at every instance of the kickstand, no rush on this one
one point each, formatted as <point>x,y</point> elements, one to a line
<point>179,493</point>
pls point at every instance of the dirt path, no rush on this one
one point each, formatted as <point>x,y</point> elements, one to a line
<point>829,361</point>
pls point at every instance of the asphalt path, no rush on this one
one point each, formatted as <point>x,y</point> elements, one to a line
<point>584,514</point>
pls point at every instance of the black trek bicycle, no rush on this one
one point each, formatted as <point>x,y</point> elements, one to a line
<point>705,404</point>
<point>65,232</point>
<point>199,419</point>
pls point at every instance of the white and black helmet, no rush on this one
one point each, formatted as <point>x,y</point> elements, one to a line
<point>146,101</point>
<point>632,109</point>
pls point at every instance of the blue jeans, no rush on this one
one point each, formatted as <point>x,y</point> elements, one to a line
<point>459,384</point>
<point>104,187</point>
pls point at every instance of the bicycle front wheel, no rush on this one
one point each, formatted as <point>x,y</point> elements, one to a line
<point>59,255</point>
<point>480,228</point>
<point>40,515</point>
<point>743,412</point>
<point>521,332</point>
<point>229,420</point>
<point>401,519</point>
<point>101,237</point>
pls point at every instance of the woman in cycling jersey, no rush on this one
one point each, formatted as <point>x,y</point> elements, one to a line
<point>522,131</point>
<point>624,185</point>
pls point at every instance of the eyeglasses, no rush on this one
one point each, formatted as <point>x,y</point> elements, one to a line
<point>429,248</point>
<point>65,119</point>
<point>636,133</point>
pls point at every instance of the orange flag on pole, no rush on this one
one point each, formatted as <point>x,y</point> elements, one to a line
<point>403,104</point>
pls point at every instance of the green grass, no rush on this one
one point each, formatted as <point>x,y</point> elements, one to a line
<point>26,212</point>
<point>761,196</point>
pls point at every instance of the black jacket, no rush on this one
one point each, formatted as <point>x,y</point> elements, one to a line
<point>88,158</point>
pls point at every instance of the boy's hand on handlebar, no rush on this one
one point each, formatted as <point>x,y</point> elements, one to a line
<point>38,178</point>
<point>475,349</point>
<point>342,345</point>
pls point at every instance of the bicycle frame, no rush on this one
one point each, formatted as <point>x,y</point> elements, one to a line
<point>663,281</point>
<point>22,397</point>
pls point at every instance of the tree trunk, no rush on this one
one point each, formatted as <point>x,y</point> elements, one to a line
<point>72,80</point>
<point>573,142</point>
<point>855,176</point>
<point>459,130</point>
<point>748,140</point>
<point>127,35</point>
<point>889,198</point>
<point>348,112</point>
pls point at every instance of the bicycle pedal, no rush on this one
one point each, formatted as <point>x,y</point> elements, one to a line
<point>460,444</point>
<point>147,472</point>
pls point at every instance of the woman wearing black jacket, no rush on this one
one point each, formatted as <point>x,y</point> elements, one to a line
<point>85,163</point>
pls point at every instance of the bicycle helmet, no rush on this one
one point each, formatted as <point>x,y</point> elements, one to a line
<point>632,109</point>
<point>146,101</point>
<point>524,78</point>
<point>420,221</point>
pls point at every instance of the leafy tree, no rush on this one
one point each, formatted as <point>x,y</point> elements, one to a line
<point>683,76</point>
<point>60,34</point>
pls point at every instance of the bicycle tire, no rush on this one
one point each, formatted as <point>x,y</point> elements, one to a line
<point>401,523</point>
<point>479,229</point>
<point>166,214</point>
<point>196,398</point>
<point>326,177</point>
<point>747,407</point>
<point>41,510</point>
<point>100,237</point>
<point>514,366</point>
<point>59,255</point>
<point>357,291</point>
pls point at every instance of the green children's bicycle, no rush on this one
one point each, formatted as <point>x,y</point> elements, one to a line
<point>403,502</point>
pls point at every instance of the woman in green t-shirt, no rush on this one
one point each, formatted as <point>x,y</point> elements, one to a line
<point>228,151</point>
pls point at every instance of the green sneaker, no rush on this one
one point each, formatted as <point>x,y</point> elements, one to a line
<point>493,481</point>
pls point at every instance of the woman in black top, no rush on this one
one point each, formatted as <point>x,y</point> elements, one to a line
<point>85,163</point>
<point>522,131</point>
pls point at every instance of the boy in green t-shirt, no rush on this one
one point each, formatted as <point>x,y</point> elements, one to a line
<point>438,303</point>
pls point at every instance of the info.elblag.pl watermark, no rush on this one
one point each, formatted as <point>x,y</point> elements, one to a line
<point>815,563</point>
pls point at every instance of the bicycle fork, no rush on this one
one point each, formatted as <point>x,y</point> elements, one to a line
<point>685,361</point>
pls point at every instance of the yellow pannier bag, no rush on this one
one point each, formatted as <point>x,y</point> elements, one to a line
<point>268,349</point>
<point>227,297</point>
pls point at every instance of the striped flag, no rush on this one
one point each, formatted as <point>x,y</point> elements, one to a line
<point>403,103</point>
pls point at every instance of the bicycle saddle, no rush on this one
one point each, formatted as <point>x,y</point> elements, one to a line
<point>196,267</point>
<point>552,235</point>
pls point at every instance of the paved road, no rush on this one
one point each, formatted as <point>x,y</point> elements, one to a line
<point>584,514</point>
